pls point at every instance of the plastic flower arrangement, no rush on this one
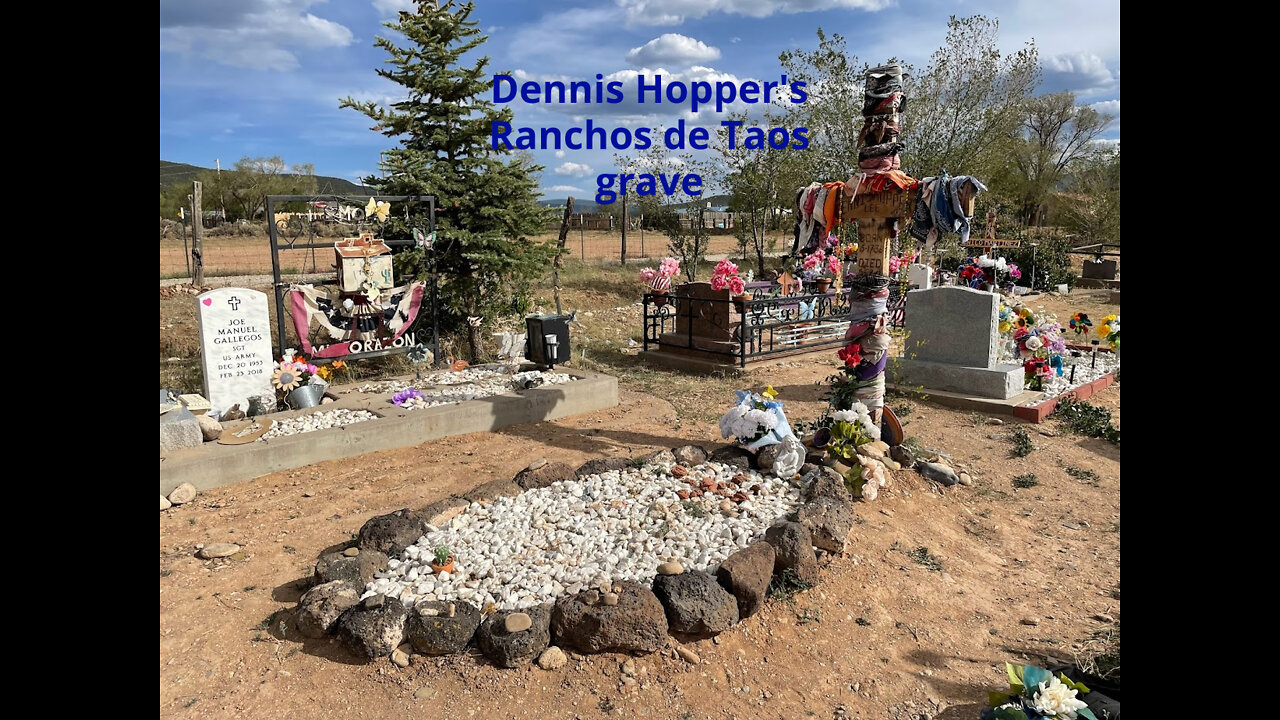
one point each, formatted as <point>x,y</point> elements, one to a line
<point>660,280</point>
<point>897,264</point>
<point>971,274</point>
<point>404,397</point>
<point>1035,694</point>
<point>851,354</point>
<point>1007,318</point>
<point>1015,272</point>
<point>725,276</point>
<point>1081,323</point>
<point>1035,371</point>
<point>1109,330</point>
<point>813,265</point>
<point>849,429</point>
<point>755,421</point>
<point>292,372</point>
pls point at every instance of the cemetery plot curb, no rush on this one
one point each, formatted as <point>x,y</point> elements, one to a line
<point>1037,413</point>
<point>214,465</point>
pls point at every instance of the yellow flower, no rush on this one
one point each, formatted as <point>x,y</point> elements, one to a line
<point>1005,326</point>
<point>1104,330</point>
<point>382,211</point>
<point>770,392</point>
<point>339,364</point>
<point>324,372</point>
<point>371,208</point>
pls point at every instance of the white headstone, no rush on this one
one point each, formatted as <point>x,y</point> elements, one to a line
<point>920,276</point>
<point>235,345</point>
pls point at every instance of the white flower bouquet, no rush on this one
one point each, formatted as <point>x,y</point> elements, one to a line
<point>755,421</point>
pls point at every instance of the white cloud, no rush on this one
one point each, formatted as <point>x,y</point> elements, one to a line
<point>387,8</point>
<point>564,188</point>
<point>735,39</point>
<point>560,154</point>
<point>674,12</point>
<point>255,34</point>
<point>1080,71</point>
<point>1107,107</point>
<point>573,169</point>
<point>674,48</point>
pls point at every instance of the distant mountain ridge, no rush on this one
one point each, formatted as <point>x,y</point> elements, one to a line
<point>172,172</point>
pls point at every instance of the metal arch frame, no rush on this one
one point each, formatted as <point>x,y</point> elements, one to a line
<point>282,287</point>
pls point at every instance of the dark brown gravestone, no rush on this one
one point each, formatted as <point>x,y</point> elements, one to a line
<point>709,313</point>
<point>706,323</point>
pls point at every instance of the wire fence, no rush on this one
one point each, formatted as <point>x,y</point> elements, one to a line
<point>230,250</point>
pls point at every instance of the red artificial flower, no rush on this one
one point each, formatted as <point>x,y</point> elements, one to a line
<point>851,354</point>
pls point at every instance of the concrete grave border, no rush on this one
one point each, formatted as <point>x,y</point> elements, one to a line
<point>214,465</point>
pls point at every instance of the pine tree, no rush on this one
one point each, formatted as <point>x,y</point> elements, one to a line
<point>486,199</point>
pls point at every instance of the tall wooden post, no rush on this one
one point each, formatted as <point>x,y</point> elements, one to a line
<point>560,243</point>
<point>624,228</point>
<point>879,214</point>
<point>197,236</point>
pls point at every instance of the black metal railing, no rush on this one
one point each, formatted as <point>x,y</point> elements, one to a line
<point>744,330</point>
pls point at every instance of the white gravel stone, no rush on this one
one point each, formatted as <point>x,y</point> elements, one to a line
<point>322,420</point>
<point>450,388</point>
<point>594,531</point>
<point>1056,386</point>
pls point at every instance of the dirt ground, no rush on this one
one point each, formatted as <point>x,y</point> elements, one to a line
<point>883,635</point>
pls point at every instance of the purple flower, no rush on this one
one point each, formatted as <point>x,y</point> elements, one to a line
<point>404,396</point>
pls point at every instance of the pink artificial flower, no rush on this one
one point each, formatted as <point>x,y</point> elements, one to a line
<point>726,267</point>
<point>647,275</point>
<point>1014,272</point>
<point>669,267</point>
<point>718,282</point>
<point>895,264</point>
<point>311,369</point>
<point>736,285</point>
<point>834,265</point>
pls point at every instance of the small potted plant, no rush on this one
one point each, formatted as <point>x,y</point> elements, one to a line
<point>821,269</point>
<point>443,560</point>
<point>659,281</point>
<point>725,276</point>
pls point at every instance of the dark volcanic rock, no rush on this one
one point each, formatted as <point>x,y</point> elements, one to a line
<point>358,570</point>
<point>828,521</point>
<point>322,605</point>
<point>695,603</point>
<point>513,649</point>
<point>734,455</point>
<point>793,546</point>
<point>432,632</point>
<point>746,574</point>
<point>391,533</point>
<point>690,455</point>
<point>637,623</point>
<point>602,465</point>
<point>543,475</point>
<point>373,632</point>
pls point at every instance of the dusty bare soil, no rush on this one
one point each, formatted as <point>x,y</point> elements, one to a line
<point>883,635</point>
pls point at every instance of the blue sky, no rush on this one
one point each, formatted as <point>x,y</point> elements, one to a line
<point>263,77</point>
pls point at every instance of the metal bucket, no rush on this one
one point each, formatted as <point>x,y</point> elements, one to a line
<point>305,396</point>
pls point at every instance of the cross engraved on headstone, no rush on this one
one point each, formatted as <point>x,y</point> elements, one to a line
<point>234,302</point>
